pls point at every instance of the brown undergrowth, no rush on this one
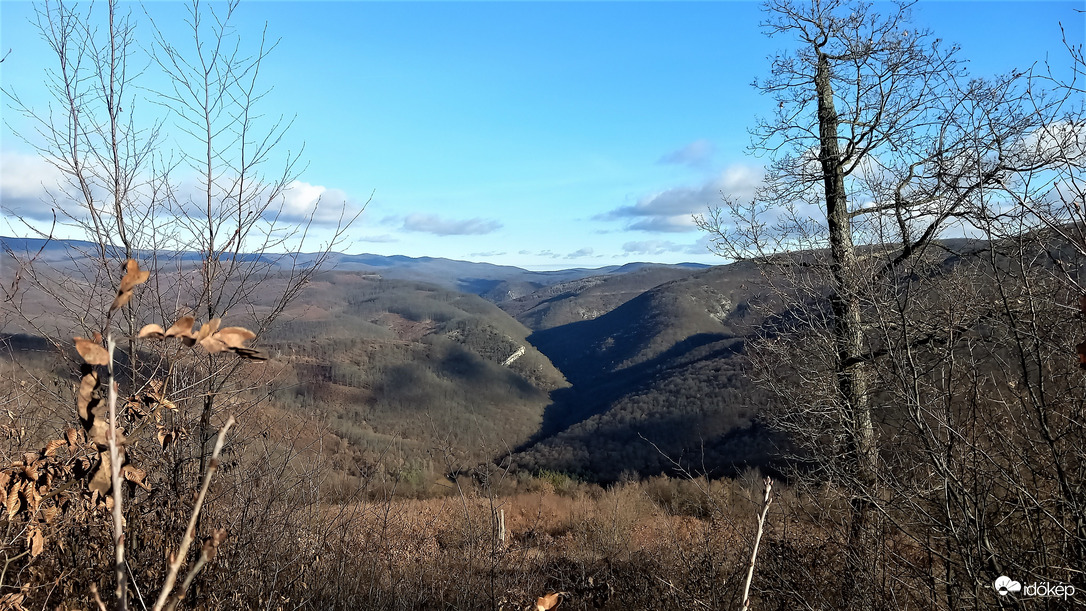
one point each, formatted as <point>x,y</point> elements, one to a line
<point>633,545</point>
<point>611,549</point>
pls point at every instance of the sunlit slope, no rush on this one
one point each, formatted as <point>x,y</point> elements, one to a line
<point>402,370</point>
<point>589,298</point>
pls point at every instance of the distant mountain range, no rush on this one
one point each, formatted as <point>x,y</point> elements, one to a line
<point>496,283</point>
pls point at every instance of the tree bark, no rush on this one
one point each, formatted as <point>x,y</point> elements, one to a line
<point>851,370</point>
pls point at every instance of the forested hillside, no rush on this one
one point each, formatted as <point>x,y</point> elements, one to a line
<point>657,381</point>
<point>587,298</point>
<point>409,373</point>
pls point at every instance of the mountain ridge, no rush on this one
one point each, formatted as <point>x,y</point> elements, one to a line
<point>494,281</point>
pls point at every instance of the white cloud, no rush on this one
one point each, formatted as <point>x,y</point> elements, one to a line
<point>377,238</point>
<point>1061,139</point>
<point>31,187</point>
<point>701,247</point>
<point>431,223</point>
<point>671,210</point>
<point>580,254</point>
<point>652,247</point>
<point>673,224</point>
<point>696,154</point>
<point>660,247</point>
<point>301,200</point>
<point>25,185</point>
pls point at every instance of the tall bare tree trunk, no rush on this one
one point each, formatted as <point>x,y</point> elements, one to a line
<point>850,369</point>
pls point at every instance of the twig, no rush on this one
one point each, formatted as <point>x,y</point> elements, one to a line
<point>135,586</point>
<point>97,598</point>
<point>757,539</point>
<point>210,547</point>
<point>115,478</point>
<point>186,541</point>
<point>667,582</point>
<point>188,581</point>
<point>7,563</point>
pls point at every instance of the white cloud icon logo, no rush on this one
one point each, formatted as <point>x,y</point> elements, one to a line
<point>1005,585</point>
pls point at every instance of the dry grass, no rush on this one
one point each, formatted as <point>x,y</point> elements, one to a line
<point>613,548</point>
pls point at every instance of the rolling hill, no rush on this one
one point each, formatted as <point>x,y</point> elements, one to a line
<point>399,368</point>
<point>664,368</point>
<point>587,298</point>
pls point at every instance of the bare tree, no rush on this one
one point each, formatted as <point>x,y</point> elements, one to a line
<point>880,145</point>
<point>231,212</point>
<point>211,226</point>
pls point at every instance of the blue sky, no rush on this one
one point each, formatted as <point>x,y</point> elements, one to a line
<point>537,134</point>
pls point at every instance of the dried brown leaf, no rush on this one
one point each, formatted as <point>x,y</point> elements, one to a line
<point>52,447</point>
<point>5,478</point>
<point>152,331</point>
<point>211,544</point>
<point>101,483</point>
<point>235,337</point>
<point>72,436</point>
<point>165,437</point>
<point>213,344</point>
<point>120,300</point>
<point>181,328</point>
<point>85,400</point>
<point>133,276</point>
<point>37,543</point>
<point>136,476</point>
<point>13,601</point>
<point>12,502</point>
<point>208,329</point>
<point>92,352</point>
<point>99,431</point>
<point>33,499</point>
